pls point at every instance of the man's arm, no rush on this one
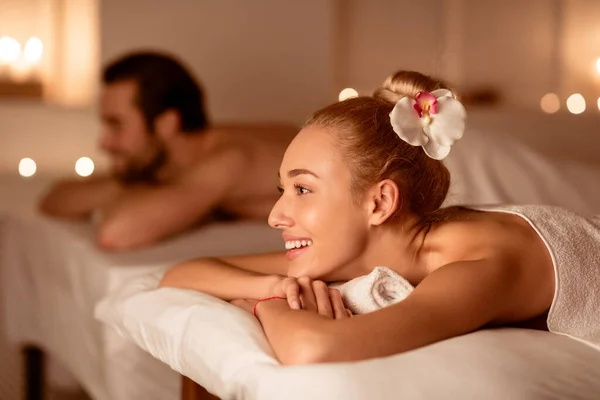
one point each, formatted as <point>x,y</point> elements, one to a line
<point>144,215</point>
<point>79,198</point>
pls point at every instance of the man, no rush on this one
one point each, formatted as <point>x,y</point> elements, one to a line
<point>170,170</point>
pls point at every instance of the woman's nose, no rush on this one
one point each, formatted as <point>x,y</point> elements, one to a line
<point>279,217</point>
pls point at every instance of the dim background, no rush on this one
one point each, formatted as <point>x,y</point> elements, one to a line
<point>280,60</point>
<point>274,60</point>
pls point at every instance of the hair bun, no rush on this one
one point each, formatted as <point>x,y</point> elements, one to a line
<point>388,95</point>
<point>407,83</point>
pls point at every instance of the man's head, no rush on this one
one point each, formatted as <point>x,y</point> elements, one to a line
<point>147,98</point>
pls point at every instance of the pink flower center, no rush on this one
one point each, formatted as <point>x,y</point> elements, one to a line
<point>426,104</point>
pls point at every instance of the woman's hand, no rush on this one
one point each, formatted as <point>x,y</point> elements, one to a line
<point>312,295</point>
<point>245,304</point>
<point>285,287</point>
<point>316,296</point>
<point>306,294</point>
<point>289,288</point>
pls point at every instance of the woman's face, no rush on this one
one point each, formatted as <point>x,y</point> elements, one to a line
<point>324,229</point>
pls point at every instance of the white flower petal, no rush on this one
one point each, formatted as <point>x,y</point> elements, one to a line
<point>406,122</point>
<point>436,151</point>
<point>448,124</point>
<point>441,93</point>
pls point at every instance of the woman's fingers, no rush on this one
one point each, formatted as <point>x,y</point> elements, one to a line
<point>315,296</point>
<point>292,294</point>
<point>339,310</point>
<point>323,301</point>
<point>307,295</point>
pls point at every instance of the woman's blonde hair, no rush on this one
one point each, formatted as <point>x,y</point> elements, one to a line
<point>407,83</point>
<point>374,152</point>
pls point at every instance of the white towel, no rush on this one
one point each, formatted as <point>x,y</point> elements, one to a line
<point>574,245</point>
<point>381,288</point>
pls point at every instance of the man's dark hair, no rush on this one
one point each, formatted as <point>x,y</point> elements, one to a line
<point>163,83</point>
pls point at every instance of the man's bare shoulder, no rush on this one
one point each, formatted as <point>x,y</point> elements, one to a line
<point>265,132</point>
<point>241,164</point>
<point>222,163</point>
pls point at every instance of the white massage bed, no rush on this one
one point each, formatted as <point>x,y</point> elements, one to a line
<point>52,275</point>
<point>223,349</point>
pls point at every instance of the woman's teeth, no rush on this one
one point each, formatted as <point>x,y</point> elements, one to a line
<point>297,244</point>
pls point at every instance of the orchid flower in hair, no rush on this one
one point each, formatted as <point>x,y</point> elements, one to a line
<point>433,121</point>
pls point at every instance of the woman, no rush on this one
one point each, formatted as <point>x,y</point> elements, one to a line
<point>361,186</point>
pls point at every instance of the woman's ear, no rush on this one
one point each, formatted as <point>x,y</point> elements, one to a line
<point>167,124</point>
<point>384,201</point>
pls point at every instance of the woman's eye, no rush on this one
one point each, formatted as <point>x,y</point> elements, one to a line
<point>280,189</point>
<point>301,190</point>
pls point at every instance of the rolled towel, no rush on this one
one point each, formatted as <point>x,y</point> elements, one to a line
<point>381,288</point>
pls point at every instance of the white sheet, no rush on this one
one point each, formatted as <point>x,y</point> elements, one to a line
<point>52,276</point>
<point>502,364</point>
<point>223,348</point>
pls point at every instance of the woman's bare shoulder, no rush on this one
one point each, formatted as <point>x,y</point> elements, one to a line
<point>505,243</point>
<point>473,234</point>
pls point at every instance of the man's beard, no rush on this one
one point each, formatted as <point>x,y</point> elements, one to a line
<point>146,173</point>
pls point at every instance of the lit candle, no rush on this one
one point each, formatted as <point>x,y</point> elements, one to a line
<point>347,93</point>
<point>10,50</point>
<point>84,166</point>
<point>32,54</point>
<point>27,167</point>
<point>576,103</point>
<point>550,103</point>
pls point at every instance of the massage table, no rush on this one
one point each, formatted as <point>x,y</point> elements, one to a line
<point>223,349</point>
<point>53,275</point>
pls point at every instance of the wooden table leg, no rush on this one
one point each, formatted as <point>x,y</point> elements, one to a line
<point>33,358</point>
<point>190,390</point>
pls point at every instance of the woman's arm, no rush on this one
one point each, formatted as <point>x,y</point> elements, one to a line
<point>230,278</point>
<point>296,335</point>
<point>454,300</point>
